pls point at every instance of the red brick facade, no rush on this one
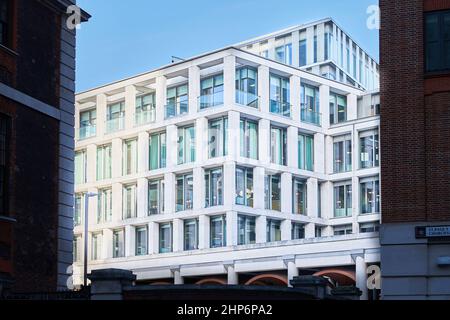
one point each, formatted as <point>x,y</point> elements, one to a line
<point>415,118</point>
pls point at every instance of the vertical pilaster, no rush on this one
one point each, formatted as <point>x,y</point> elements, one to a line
<point>199,188</point>
<point>294,83</point>
<point>161,97</point>
<point>107,244</point>
<point>91,167</point>
<point>292,147</point>
<point>231,228</point>
<point>130,241</point>
<point>361,276</point>
<point>229,79</point>
<point>319,153</point>
<point>286,193</point>
<point>296,49</point>
<point>116,154</point>
<point>258,187</point>
<point>312,190</point>
<point>169,193</point>
<point>130,106</point>
<point>178,243</point>
<point>201,140</point>
<point>153,238</point>
<point>117,202</point>
<point>234,140</point>
<point>310,45</point>
<point>194,89</point>
<point>264,139</point>
<point>261,229</point>
<point>203,236</point>
<point>264,88</point>
<point>101,114</point>
<point>352,107</point>
<point>286,230</point>
<point>229,176</point>
<point>324,93</point>
<point>143,149</point>
<point>142,197</point>
<point>172,146</point>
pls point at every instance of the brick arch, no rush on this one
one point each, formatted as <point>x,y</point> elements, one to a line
<point>268,279</point>
<point>342,277</point>
<point>212,281</point>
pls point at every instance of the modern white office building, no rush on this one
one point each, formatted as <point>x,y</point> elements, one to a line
<point>228,168</point>
<point>320,47</point>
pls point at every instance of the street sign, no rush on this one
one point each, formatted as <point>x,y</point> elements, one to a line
<point>433,232</point>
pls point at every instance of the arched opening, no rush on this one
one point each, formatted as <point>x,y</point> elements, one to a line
<point>212,281</point>
<point>268,280</point>
<point>338,276</point>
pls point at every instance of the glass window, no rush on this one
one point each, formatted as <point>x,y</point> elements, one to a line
<point>328,45</point>
<point>218,231</point>
<point>79,209</point>
<point>273,192</point>
<point>369,227</point>
<point>186,144</point>
<point>318,231</point>
<point>141,241</point>
<point>115,117</point>
<point>96,246</point>
<point>4,22</point>
<point>310,104</point>
<point>342,151</point>
<point>300,197</point>
<point>343,230</point>
<point>338,108</point>
<point>130,157</point>
<point>303,53</point>
<point>246,230</point>
<point>315,50</point>
<point>370,149</point>
<point>370,196</point>
<point>104,211</point>
<point>247,87</point>
<point>184,193</point>
<point>280,95</point>
<point>244,186</point>
<point>155,197</point>
<point>305,152</point>
<point>211,92</point>
<point>283,54</point>
<point>104,154</point>
<point>214,187</point>
<point>273,230</point>
<point>218,138</point>
<point>298,231</point>
<point>278,152</point>
<point>249,139</point>
<point>88,123</point>
<point>77,248</point>
<point>157,151</point>
<point>118,243</point>
<point>129,202</point>
<point>177,101</point>
<point>165,237</point>
<point>343,200</point>
<point>80,167</point>
<point>145,109</point>
<point>190,234</point>
<point>437,41</point>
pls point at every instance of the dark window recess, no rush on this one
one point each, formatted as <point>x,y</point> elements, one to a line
<point>4,22</point>
<point>437,41</point>
<point>3,164</point>
<point>5,251</point>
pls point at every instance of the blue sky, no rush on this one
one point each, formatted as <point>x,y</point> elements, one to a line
<point>124,38</point>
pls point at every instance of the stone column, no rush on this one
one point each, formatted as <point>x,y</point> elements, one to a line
<point>194,89</point>
<point>130,241</point>
<point>264,88</point>
<point>116,155</point>
<point>143,149</point>
<point>234,141</point>
<point>229,177</point>
<point>324,93</point>
<point>130,106</point>
<point>177,278</point>
<point>261,229</point>
<point>295,97</point>
<point>352,107</point>
<point>91,165</point>
<point>178,235</point>
<point>142,196</point>
<point>232,275</point>
<point>264,141</point>
<point>199,188</point>
<point>229,78</point>
<point>161,94</point>
<point>231,227</point>
<point>361,276</point>
<point>153,238</point>
<point>291,269</point>
<point>292,147</point>
<point>203,232</point>
<point>258,188</point>
<point>286,193</point>
<point>296,49</point>
<point>101,114</point>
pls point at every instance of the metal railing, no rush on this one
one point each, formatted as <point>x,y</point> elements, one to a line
<point>144,117</point>
<point>114,125</point>
<point>280,108</point>
<point>176,109</point>
<point>310,116</point>
<point>247,99</point>
<point>210,100</point>
<point>87,132</point>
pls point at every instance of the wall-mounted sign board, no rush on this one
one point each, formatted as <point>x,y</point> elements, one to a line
<point>433,232</point>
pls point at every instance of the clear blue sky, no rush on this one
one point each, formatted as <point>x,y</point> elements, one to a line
<point>124,38</point>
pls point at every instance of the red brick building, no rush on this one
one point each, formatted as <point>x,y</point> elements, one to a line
<point>37,83</point>
<point>415,149</point>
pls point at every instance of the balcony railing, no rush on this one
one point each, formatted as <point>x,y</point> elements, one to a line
<point>247,99</point>
<point>114,125</point>
<point>176,109</point>
<point>210,100</point>
<point>280,108</point>
<point>310,116</point>
<point>87,132</point>
<point>144,117</point>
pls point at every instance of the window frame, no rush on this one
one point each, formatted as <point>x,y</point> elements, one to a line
<point>223,221</point>
<point>440,42</point>
<point>214,189</point>
<point>247,176</point>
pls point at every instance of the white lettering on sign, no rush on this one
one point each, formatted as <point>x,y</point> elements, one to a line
<point>438,231</point>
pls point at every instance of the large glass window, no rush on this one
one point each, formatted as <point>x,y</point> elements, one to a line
<point>310,104</point>
<point>280,96</point>
<point>273,230</point>
<point>338,108</point>
<point>343,230</point>
<point>299,193</point>
<point>141,241</point>
<point>369,227</point>
<point>273,192</point>
<point>119,243</point>
<point>246,230</point>
<point>278,145</point>
<point>145,109</point>
<point>218,138</point>
<point>104,210</point>
<point>130,157</point>
<point>298,231</point>
<point>305,152</point>
<point>190,234</point>
<point>303,53</point>
<point>80,167</point>
<point>342,151</point>
<point>370,149</point>
<point>211,92</point>
<point>104,154</point>
<point>244,186</point>
<point>437,41</point>
<point>115,117</point>
<point>79,209</point>
<point>88,124</point>
<point>165,237</point>
<point>177,101</point>
<point>328,39</point>
<point>186,144</point>
<point>185,192</point>
<point>370,195</point>
<point>218,231</point>
<point>77,248</point>
<point>247,87</point>
<point>343,199</point>
<point>283,54</point>
<point>155,197</point>
<point>315,50</point>
<point>4,164</point>
<point>157,151</point>
<point>214,187</point>
<point>96,246</point>
<point>249,139</point>
<point>129,202</point>
<point>4,22</point>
